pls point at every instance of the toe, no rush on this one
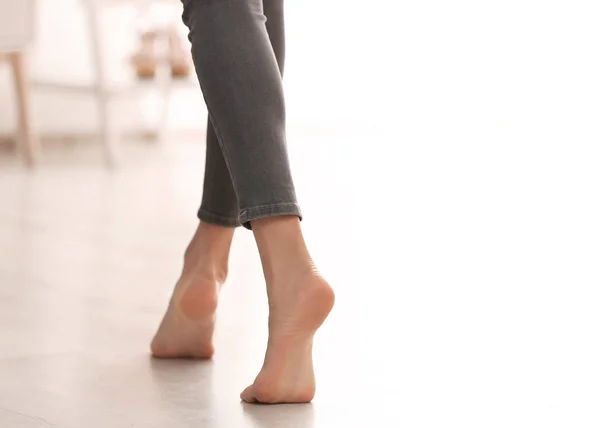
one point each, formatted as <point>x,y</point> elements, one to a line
<point>157,349</point>
<point>248,395</point>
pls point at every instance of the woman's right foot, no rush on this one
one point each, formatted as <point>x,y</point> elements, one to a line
<point>187,327</point>
<point>299,302</point>
<point>287,375</point>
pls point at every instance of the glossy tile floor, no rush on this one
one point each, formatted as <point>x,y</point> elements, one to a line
<point>467,296</point>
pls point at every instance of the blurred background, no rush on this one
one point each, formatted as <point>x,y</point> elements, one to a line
<point>446,158</point>
<point>80,48</point>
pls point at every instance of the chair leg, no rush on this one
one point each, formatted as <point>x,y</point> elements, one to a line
<point>28,144</point>
<point>108,128</point>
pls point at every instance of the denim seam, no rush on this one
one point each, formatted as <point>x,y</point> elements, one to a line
<point>223,148</point>
<point>223,220</point>
<point>271,210</point>
<point>243,211</point>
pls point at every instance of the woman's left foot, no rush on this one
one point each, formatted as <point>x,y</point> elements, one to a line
<point>187,327</point>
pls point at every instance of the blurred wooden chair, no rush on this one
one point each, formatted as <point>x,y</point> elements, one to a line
<point>16,33</point>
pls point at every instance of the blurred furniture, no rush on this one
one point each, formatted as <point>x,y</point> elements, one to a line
<point>105,91</point>
<point>16,33</point>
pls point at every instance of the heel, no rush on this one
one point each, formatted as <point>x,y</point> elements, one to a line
<point>199,300</point>
<point>317,303</point>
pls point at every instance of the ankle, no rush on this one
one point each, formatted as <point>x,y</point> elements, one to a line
<point>282,248</point>
<point>289,270</point>
<point>207,255</point>
<point>210,239</point>
<point>205,273</point>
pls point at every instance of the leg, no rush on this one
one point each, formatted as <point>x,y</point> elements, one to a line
<point>27,141</point>
<point>244,94</point>
<point>219,201</point>
<point>186,330</point>
<point>187,327</point>
<point>299,298</point>
<point>182,333</point>
<point>299,301</point>
<point>241,83</point>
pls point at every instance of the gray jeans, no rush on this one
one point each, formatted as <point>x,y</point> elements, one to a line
<point>238,49</point>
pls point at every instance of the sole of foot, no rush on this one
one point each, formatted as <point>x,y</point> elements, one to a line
<point>187,327</point>
<point>287,375</point>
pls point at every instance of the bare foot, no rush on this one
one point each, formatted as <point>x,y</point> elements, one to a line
<point>187,327</point>
<point>296,312</point>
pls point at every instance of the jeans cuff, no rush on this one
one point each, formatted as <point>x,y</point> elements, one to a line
<point>262,211</point>
<point>218,219</point>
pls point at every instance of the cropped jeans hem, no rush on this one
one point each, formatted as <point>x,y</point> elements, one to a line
<point>262,211</point>
<point>218,219</point>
